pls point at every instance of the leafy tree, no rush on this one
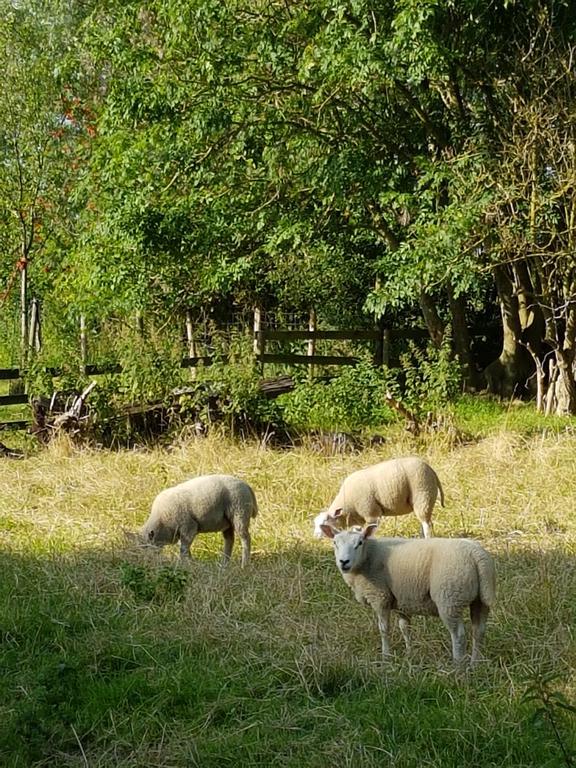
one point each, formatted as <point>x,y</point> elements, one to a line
<point>40,146</point>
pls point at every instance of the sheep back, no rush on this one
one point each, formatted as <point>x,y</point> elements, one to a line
<point>389,488</point>
<point>212,501</point>
<point>423,576</point>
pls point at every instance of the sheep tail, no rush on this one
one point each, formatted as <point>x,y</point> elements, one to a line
<point>254,504</point>
<point>486,575</point>
<point>441,491</point>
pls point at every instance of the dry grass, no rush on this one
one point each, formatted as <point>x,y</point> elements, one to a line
<point>273,665</point>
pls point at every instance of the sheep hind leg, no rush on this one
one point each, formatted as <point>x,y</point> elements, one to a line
<point>455,626</point>
<point>427,529</point>
<point>479,616</point>
<point>241,528</point>
<point>228,536</point>
<point>423,511</point>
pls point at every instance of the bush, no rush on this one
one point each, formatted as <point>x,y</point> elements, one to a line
<point>350,401</point>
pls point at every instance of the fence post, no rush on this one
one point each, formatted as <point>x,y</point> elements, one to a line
<point>382,348</point>
<point>140,323</point>
<point>386,347</point>
<point>192,352</point>
<point>83,342</point>
<point>311,351</point>
<point>35,330</point>
<point>23,311</point>
<point>259,339</point>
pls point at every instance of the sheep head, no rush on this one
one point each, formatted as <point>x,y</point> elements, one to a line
<point>349,545</point>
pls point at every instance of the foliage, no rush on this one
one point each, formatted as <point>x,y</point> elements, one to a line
<point>146,585</point>
<point>351,400</point>
<point>363,161</point>
<point>228,391</point>
<point>426,379</point>
<point>150,365</point>
<point>554,706</point>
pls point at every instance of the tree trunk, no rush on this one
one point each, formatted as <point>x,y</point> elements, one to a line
<point>432,318</point>
<point>24,313</point>
<point>461,341</point>
<point>509,374</point>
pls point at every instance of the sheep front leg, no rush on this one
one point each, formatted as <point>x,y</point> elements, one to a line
<point>404,624</point>
<point>187,536</point>
<point>383,615</point>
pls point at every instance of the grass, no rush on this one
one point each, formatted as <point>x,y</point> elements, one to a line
<point>115,657</point>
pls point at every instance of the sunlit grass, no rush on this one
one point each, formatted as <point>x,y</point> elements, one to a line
<point>274,665</point>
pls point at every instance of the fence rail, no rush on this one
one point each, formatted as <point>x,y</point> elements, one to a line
<point>380,337</point>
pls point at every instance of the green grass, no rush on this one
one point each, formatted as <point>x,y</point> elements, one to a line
<point>482,415</point>
<point>116,657</point>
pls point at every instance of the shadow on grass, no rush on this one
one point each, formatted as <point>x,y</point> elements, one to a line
<point>125,658</point>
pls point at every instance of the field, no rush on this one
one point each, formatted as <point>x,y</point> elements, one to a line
<point>116,657</point>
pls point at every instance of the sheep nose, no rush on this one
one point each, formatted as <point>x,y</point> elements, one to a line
<point>345,565</point>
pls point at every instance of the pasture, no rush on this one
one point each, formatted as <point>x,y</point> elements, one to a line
<point>111,656</point>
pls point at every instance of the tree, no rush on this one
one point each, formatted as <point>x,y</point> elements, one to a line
<point>39,139</point>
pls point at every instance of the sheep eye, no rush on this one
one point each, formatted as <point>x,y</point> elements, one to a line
<point>359,544</point>
<point>150,535</point>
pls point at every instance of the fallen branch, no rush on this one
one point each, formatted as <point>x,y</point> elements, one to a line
<point>412,422</point>
<point>70,418</point>
<point>10,453</point>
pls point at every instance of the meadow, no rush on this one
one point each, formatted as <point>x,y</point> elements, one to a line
<point>111,656</point>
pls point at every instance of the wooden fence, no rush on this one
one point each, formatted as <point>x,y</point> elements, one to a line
<point>380,338</point>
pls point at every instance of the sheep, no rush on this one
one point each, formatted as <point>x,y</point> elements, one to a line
<point>203,504</point>
<point>393,487</point>
<point>431,577</point>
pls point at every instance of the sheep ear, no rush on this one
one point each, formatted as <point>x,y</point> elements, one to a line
<point>337,513</point>
<point>328,531</point>
<point>369,530</point>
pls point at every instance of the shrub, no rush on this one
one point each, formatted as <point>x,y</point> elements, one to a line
<point>351,400</point>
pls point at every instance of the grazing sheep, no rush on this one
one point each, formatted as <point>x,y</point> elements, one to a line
<point>393,487</point>
<point>202,505</point>
<point>431,577</point>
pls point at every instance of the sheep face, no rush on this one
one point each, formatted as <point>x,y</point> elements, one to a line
<point>321,519</point>
<point>158,535</point>
<point>324,518</point>
<point>349,546</point>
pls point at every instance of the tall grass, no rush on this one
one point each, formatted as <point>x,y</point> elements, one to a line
<point>116,657</point>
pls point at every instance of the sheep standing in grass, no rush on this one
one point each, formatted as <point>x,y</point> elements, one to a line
<point>202,505</point>
<point>393,487</point>
<point>430,577</point>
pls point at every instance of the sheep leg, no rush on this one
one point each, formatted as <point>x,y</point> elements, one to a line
<point>422,507</point>
<point>228,536</point>
<point>427,529</point>
<point>479,616</point>
<point>384,629</point>
<point>455,626</point>
<point>187,536</point>
<point>404,624</point>
<point>245,540</point>
<point>241,528</point>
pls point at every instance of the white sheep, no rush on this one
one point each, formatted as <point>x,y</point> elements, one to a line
<point>431,577</point>
<point>393,487</point>
<point>203,504</point>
